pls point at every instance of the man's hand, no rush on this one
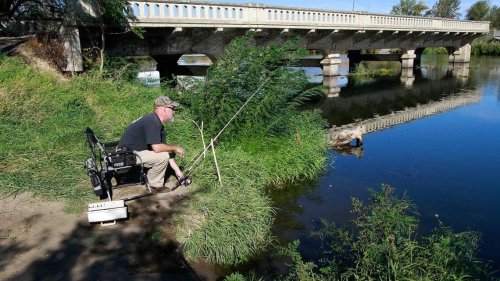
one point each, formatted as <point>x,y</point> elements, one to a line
<point>179,150</point>
<point>179,175</point>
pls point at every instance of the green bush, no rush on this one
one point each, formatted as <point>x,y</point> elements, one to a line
<point>243,71</point>
<point>486,48</point>
<point>270,143</point>
<point>366,70</point>
<point>385,246</point>
<point>435,51</point>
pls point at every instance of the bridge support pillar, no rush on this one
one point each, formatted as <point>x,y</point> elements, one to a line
<point>331,75</point>
<point>407,76</point>
<point>461,55</point>
<point>70,37</point>
<point>407,59</point>
<point>331,86</point>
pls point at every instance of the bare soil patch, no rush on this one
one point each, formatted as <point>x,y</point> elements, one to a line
<point>38,241</point>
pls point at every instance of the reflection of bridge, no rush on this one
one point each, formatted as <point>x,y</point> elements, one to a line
<point>188,27</point>
<point>420,111</point>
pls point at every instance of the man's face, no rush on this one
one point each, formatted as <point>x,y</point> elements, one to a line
<point>169,113</point>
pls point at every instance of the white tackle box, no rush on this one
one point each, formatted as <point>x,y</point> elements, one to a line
<point>109,211</point>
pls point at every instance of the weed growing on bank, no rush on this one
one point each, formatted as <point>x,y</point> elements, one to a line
<point>435,51</point>
<point>486,48</point>
<point>384,245</point>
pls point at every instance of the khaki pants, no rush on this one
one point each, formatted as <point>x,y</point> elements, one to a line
<point>157,162</point>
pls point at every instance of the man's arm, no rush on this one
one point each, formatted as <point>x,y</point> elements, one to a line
<point>178,172</point>
<point>161,147</point>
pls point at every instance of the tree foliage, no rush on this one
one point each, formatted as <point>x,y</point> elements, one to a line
<point>494,17</point>
<point>113,13</point>
<point>12,11</point>
<point>445,9</point>
<point>479,10</point>
<point>409,8</point>
<point>243,71</point>
<point>31,9</point>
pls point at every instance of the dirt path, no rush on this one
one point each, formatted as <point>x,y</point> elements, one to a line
<point>38,241</point>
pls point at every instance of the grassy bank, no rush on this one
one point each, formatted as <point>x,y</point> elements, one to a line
<point>486,48</point>
<point>42,119</point>
<point>269,144</point>
<point>42,145</point>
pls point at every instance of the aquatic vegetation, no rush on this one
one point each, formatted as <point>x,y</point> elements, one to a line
<point>386,246</point>
<point>486,48</point>
<point>435,51</point>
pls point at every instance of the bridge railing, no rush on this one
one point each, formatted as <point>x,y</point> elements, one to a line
<point>178,14</point>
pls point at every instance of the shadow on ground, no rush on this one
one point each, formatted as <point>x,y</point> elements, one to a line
<point>140,248</point>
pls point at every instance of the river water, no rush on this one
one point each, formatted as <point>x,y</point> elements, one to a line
<point>447,160</point>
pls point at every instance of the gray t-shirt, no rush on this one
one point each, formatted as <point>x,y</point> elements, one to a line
<point>142,133</point>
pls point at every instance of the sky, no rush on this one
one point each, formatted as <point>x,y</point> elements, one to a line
<point>373,6</point>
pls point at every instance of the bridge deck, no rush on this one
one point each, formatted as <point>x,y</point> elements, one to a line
<point>197,14</point>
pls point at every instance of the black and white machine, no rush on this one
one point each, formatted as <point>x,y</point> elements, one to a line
<point>110,169</point>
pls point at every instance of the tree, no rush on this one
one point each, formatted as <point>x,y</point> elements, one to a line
<point>494,17</point>
<point>113,13</point>
<point>36,10</point>
<point>445,9</point>
<point>409,8</point>
<point>479,10</point>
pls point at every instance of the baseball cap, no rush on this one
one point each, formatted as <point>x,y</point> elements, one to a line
<point>164,101</point>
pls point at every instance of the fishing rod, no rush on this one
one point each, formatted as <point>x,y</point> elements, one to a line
<point>194,163</point>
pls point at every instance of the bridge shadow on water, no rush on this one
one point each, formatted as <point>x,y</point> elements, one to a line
<point>140,248</point>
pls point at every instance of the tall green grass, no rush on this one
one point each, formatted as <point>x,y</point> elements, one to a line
<point>42,123</point>
<point>486,48</point>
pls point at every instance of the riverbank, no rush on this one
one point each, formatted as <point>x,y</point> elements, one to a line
<point>43,119</point>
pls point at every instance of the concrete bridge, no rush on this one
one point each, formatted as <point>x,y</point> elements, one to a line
<point>174,28</point>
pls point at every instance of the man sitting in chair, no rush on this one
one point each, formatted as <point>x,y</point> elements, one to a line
<point>146,136</point>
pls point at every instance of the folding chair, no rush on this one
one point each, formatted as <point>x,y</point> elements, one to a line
<point>110,169</point>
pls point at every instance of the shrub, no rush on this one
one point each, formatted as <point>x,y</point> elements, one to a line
<point>270,143</point>
<point>435,51</point>
<point>243,71</point>
<point>486,48</point>
<point>49,49</point>
<point>385,246</point>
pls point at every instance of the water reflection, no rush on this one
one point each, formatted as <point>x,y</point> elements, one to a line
<point>388,96</point>
<point>446,162</point>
